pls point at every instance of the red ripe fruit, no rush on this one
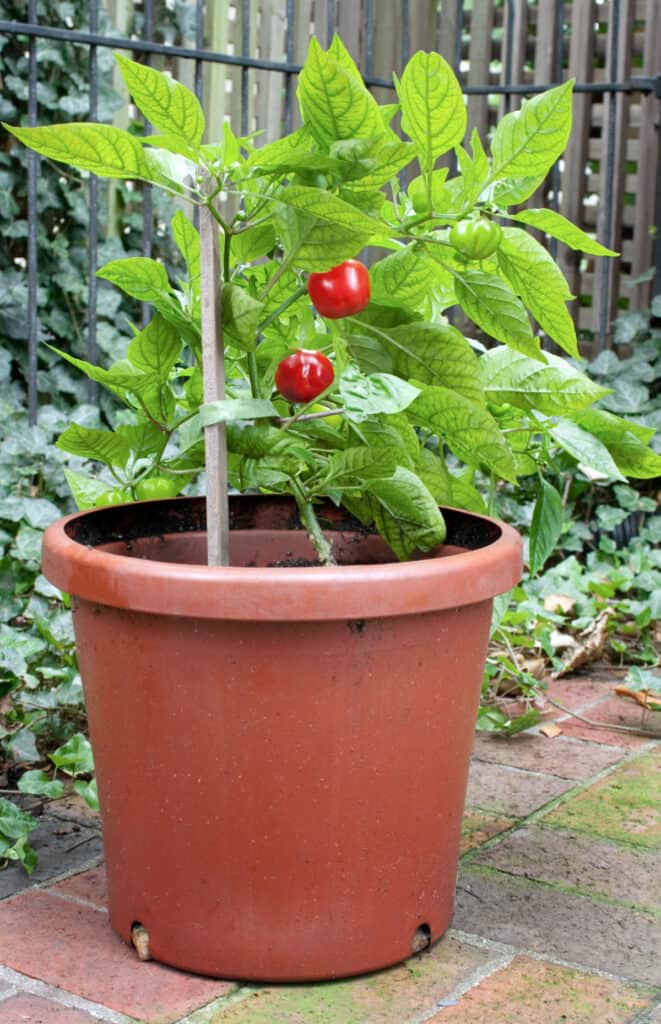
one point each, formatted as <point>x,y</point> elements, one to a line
<point>303,375</point>
<point>342,291</point>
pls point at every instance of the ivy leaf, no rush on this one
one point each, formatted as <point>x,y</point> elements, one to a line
<point>528,141</point>
<point>334,102</point>
<point>537,279</point>
<point>319,230</point>
<point>585,448</point>
<point>75,756</point>
<point>90,443</point>
<point>38,783</point>
<point>557,226</point>
<point>546,525</point>
<point>406,514</point>
<point>496,309</point>
<point>378,393</point>
<point>433,108</point>
<point>555,387</point>
<point>170,106</point>
<point>469,430</point>
<point>14,822</point>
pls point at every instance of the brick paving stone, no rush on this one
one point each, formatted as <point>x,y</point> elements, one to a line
<point>626,805</point>
<point>567,758</point>
<point>655,1017</point>
<point>73,947</point>
<point>29,1009</point>
<point>570,859</point>
<point>90,886</point>
<point>74,808</point>
<point>389,997</point>
<point>577,692</point>
<point>558,924</point>
<point>532,992</point>
<point>510,791</point>
<point>5,989</point>
<point>478,826</point>
<point>612,711</point>
<point>60,846</point>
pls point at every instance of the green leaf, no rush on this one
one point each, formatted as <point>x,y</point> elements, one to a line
<point>90,443</point>
<point>474,171</point>
<point>557,226</point>
<point>351,466</point>
<point>379,393</point>
<point>435,354</point>
<point>405,278</point>
<point>528,141</point>
<point>103,149</point>
<point>155,350</point>
<point>14,822</point>
<point>85,489</point>
<point>250,245</point>
<point>585,448</point>
<point>188,242</point>
<point>469,430</point>
<point>75,756</point>
<point>318,230</point>
<point>142,278</point>
<point>496,309</point>
<point>88,791</point>
<point>433,107</point>
<point>406,514</point>
<point>120,377</point>
<point>555,387</point>
<point>334,102</point>
<point>228,409</point>
<point>537,279</point>
<point>170,106</point>
<point>546,525</point>
<point>241,316</point>
<point>389,156</point>
<point>38,783</point>
<point>626,442</point>
<point>107,151</point>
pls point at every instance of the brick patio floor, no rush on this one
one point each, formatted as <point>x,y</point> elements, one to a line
<point>558,915</point>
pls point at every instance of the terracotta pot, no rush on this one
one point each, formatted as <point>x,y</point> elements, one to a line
<point>281,752</point>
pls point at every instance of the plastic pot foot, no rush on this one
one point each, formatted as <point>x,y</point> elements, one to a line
<point>140,941</point>
<point>421,939</point>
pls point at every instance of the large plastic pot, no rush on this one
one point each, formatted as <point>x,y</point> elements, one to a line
<point>281,751</point>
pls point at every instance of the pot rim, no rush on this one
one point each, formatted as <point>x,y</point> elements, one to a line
<point>428,584</point>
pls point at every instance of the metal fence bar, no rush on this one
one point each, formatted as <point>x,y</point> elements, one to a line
<point>33,214</point>
<point>245,81</point>
<point>147,196</point>
<point>93,190</point>
<point>406,33</point>
<point>198,76</point>
<point>289,51</point>
<point>508,43</point>
<point>635,84</point>
<point>558,63</point>
<point>604,292</point>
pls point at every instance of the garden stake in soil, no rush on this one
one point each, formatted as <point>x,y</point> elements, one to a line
<point>213,363</point>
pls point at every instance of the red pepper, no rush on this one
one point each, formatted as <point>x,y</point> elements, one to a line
<point>342,291</point>
<point>303,375</point>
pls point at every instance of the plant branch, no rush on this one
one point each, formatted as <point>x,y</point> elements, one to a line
<point>312,525</point>
<point>605,725</point>
<point>300,291</point>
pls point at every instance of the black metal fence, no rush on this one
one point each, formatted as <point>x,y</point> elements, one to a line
<point>33,32</point>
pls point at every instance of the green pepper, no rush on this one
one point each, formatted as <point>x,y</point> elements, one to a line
<point>476,239</point>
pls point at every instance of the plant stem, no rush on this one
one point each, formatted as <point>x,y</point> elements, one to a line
<point>253,374</point>
<point>311,524</point>
<point>300,291</point>
<point>605,725</point>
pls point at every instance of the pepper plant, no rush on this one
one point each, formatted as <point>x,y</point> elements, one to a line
<point>341,382</point>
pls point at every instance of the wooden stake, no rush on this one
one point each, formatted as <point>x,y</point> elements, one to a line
<point>213,368</point>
